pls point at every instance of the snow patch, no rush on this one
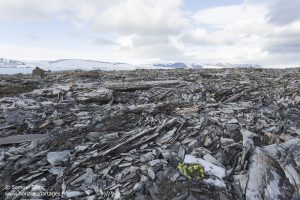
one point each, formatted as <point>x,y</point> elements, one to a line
<point>217,172</point>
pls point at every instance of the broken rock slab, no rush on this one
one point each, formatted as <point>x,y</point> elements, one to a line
<point>101,95</point>
<point>58,157</point>
<point>266,179</point>
<point>144,85</point>
<point>127,131</point>
<point>287,154</point>
<point>14,139</point>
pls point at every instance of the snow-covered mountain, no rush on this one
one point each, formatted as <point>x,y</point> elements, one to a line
<point>229,65</point>
<point>72,64</point>
<point>172,65</point>
<point>9,63</point>
<point>205,65</point>
<point>247,65</point>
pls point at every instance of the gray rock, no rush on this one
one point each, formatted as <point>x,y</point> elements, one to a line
<point>151,173</point>
<point>129,130</point>
<point>140,197</point>
<point>231,127</point>
<point>157,161</point>
<point>181,196</point>
<point>212,160</point>
<point>226,141</point>
<point>147,157</point>
<point>71,194</point>
<point>208,141</point>
<point>38,72</point>
<point>267,179</point>
<point>101,95</point>
<point>191,197</point>
<point>58,157</point>
<point>57,170</point>
<point>94,136</point>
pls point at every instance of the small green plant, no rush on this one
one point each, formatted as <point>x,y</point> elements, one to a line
<point>191,171</point>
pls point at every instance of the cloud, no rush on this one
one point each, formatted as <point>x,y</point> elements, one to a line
<point>287,46</point>
<point>146,40</point>
<point>157,52</point>
<point>20,10</point>
<point>31,36</point>
<point>200,36</point>
<point>257,31</point>
<point>103,42</point>
<point>140,27</point>
<point>230,15</point>
<point>284,39</point>
<point>149,47</point>
<point>143,16</point>
<point>126,16</point>
<point>29,52</point>
<point>242,33</point>
<point>284,12</point>
<point>228,34</point>
<point>119,16</point>
<point>233,21</point>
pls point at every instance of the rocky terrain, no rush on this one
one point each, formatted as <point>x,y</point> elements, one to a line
<point>130,134</point>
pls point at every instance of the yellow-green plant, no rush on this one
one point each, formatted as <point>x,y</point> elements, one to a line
<point>191,171</point>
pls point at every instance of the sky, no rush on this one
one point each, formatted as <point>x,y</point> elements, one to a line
<point>265,32</point>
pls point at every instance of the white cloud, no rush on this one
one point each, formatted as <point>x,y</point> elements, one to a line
<point>230,15</point>
<point>284,39</point>
<point>143,28</point>
<point>242,33</point>
<point>284,12</point>
<point>254,31</point>
<point>228,34</point>
<point>121,16</point>
<point>126,16</point>
<point>231,23</point>
<point>103,42</point>
<point>31,36</point>
<point>149,47</point>
<point>30,52</point>
<point>139,27</point>
<point>142,16</point>
<point>15,10</point>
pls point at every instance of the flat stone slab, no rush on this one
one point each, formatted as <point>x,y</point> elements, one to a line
<point>15,139</point>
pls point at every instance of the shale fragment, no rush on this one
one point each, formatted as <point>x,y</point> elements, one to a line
<point>123,134</point>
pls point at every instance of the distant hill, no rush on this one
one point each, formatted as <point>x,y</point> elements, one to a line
<point>72,64</point>
<point>172,65</point>
<point>10,63</point>
<point>229,65</point>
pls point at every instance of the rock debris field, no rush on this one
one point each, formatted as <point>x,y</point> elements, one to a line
<point>138,134</point>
